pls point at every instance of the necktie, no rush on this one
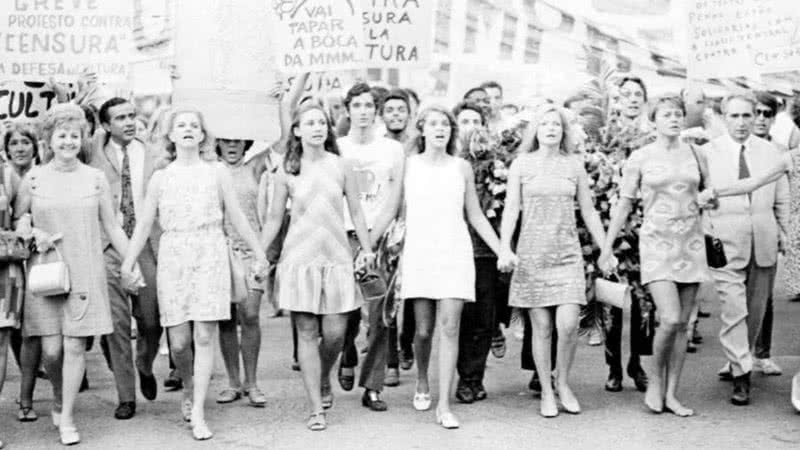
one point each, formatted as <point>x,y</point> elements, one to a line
<point>744,171</point>
<point>126,199</point>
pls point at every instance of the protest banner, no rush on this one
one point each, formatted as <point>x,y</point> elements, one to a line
<point>26,101</point>
<point>226,69</point>
<point>40,39</point>
<point>741,38</point>
<point>317,35</point>
<point>320,84</point>
<point>398,32</point>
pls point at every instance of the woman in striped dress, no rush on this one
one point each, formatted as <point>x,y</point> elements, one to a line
<point>314,277</point>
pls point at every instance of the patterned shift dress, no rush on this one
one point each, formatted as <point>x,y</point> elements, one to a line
<point>550,270</point>
<point>11,274</point>
<point>194,281</point>
<point>792,262</point>
<point>671,242</point>
<point>246,187</point>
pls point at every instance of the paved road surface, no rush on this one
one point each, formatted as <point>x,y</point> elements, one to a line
<point>507,419</point>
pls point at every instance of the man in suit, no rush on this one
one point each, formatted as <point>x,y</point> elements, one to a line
<point>752,228</point>
<point>128,165</point>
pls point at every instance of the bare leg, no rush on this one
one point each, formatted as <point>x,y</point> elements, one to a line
<point>542,324</point>
<point>687,293</point>
<point>204,334</point>
<point>229,347</point>
<point>53,360</point>
<point>424,316</point>
<point>308,334</point>
<point>334,328</point>
<point>567,327</point>
<point>665,296</point>
<point>30,358</point>
<point>251,338</point>
<point>4,337</point>
<point>180,346</point>
<point>449,319</point>
<point>72,373</point>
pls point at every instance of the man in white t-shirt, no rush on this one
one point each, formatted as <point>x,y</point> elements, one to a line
<point>378,163</point>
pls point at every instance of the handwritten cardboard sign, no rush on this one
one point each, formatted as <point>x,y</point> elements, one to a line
<point>26,101</point>
<point>316,35</point>
<point>740,38</point>
<point>398,32</point>
<point>40,39</point>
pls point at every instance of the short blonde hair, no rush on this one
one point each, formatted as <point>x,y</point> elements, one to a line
<point>566,146</point>
<point>206,145</point>
<point>60,115</point>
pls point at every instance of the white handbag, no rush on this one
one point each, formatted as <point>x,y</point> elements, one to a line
<point>612,293</point>
<point>50,278</point>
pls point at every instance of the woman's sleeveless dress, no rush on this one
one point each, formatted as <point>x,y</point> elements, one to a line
<point>437,260</point>
<point>12,282</point>
<point>792,264</point>
<point>68,202</point>
<point>550,270</point>
<point>193,278</point>
<point>246,187</point>
<point>315,270</point>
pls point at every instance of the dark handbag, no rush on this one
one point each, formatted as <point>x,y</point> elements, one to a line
<point>12,246</point>
<point>715,251</point>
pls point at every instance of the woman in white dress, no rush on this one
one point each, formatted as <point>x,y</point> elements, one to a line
<point>437,264</point>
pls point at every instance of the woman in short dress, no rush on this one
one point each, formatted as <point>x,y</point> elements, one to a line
<point>549,282</point>
<point>437,265</point>
<point>69,199</point>
<point>671,243</point>
<point>314,277</point>
<point>190,197</point>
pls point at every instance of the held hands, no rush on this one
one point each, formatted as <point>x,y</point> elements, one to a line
<point>607,263</point>
<point>783,243</point>
<point>507,261</point>
<point>708,199</point>
<point>132,280</point>
<point>44,241</point>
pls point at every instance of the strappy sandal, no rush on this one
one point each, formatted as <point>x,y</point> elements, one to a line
<point>186,410</point>
<point>26,414</point>
<point>229,395</point>
<point>317,421</point>
<point>256,397</point>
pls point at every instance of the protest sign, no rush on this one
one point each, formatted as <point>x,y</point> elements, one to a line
<point>26,101</point>
<point>398,32</point>
<point>40,39</point>
<point>226,67</point>
<point>320,84</point>
<point>317,35</point>
<point>740,38</point>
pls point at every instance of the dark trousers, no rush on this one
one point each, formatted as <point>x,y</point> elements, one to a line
<point>408,330</point>
<point>373,370</point>
<point>478,322</point>
<point>614,340</point>
<point>392,344</point>
<point>764,339</point>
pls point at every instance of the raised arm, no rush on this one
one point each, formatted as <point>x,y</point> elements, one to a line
<point>235,214</point>
<point>286,107</point>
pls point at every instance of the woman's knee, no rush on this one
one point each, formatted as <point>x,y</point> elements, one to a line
<point>249,318</point>
<point>449,326</point>
<point>307,330</point>
<point>204,333</point>
<point>672,323</point>
<point>74,347</point>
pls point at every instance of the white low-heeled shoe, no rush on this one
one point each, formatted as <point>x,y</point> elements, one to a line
<point>69,435</point>
<point>447,420</point>
<point>422,402</point>
<point>796,392</point>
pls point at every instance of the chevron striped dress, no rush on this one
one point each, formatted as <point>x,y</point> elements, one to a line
<point>315,270</point>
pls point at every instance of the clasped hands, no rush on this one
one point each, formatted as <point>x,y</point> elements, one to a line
<point>607,263</point>
<point>708,199</point>
<point>507,261</point>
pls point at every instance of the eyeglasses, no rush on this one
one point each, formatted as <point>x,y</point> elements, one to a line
<point>765,113</point>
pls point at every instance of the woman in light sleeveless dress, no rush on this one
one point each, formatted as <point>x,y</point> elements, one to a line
<point>190,197</point>
<point>667,173</point>
<point>314,278</point>
<point>437,266</point>
<point>545,184</point>
<point>68,198</point>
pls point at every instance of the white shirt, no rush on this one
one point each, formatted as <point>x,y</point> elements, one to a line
<point>372,164</point>
<point>136,155</point>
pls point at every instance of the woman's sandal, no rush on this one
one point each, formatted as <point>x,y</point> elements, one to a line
<point>256,397</point>
<point>69,435</point>
<point>26,414</point>
<point>200,431</point>
<point>229,395</point>
<point>186,410</point>
<point>327,398</point>
<point>317,421</point>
